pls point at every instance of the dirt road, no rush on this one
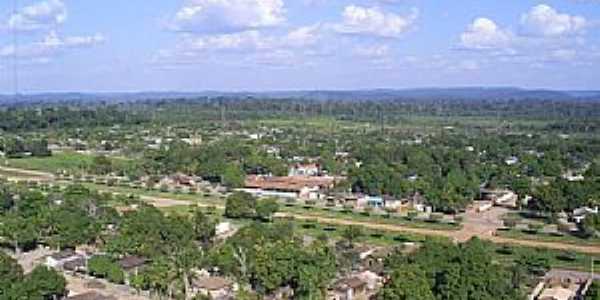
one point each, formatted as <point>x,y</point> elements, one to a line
<point>459,236</point>
<point>21,174</point>
<point>479,225</point>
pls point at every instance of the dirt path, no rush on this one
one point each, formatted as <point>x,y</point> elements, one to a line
<point>370,225</point>
<point>165,202</point>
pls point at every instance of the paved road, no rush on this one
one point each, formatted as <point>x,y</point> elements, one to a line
<point>480,225</point>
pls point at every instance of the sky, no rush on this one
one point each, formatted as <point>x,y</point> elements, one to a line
<point>262,45</point>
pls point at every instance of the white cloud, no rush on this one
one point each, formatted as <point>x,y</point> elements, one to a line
<point>546,37</point>
<point>374,21</point>
<point>43,18</point>
<point>247,40</point>
<point>373,52</point>
<point>252,40</point>
<point>484,34</point>
<point>228,16</point>
<point>545,21</point>
<point>246,44</point>
<point>52,44</point>
<point>304,36</point>
<point>38,16</point>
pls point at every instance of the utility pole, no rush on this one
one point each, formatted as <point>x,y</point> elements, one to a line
<point>15,52</point>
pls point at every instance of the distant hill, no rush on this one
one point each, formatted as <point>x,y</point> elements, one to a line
<point>469,93</point>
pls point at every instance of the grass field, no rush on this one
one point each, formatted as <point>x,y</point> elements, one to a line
<point>69,161</point>
<point>58,161</point>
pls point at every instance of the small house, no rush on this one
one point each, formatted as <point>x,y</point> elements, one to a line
<point>351,288</point>
<point>371,201</point>
<point>131,265</point>
<point>579,214</point>
<point>57,260</point>
<point>305,170</point>
<point>77,264</point>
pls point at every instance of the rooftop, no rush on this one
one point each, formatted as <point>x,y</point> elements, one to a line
<point>350,283</point>
<point>131,262</point>
<point>63,254</point>
<point>91,296</point>
<point>212,283</point>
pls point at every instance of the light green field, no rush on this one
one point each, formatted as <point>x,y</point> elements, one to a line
<point>68,161</point>
<point>59,161</point>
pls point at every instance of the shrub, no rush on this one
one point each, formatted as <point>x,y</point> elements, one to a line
<point>115,274</point>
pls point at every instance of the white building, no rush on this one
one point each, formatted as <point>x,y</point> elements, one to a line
<point>305,170</point>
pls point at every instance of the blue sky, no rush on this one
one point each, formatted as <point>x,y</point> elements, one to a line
<point>195,45</point>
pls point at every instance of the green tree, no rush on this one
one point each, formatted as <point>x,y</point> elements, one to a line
<point>408,283</point>
<point>548,199</point>
<point>20,232</point>
<point>233,176</point>
<point>102,165</point>
<point>71,227</point>
<point>10,273</point>
<point>591,225</point>
<point>204,227</point>
<point>240,205</point>
<point>105,267</point>
<point>351,234</point>
<point>45,283</point>
<point>265,209</point>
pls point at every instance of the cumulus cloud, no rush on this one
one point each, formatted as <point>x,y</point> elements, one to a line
<point>545,36</point>
<point>543,20</point>
<point>228,16</point>
<point>265,49</point>
<point>38,16</point>
<point>43,20</point>
<point>483,34</point>
<point>241,41</point>
<point>374,21</point>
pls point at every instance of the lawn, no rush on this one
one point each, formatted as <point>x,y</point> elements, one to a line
<point>505,254</point>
